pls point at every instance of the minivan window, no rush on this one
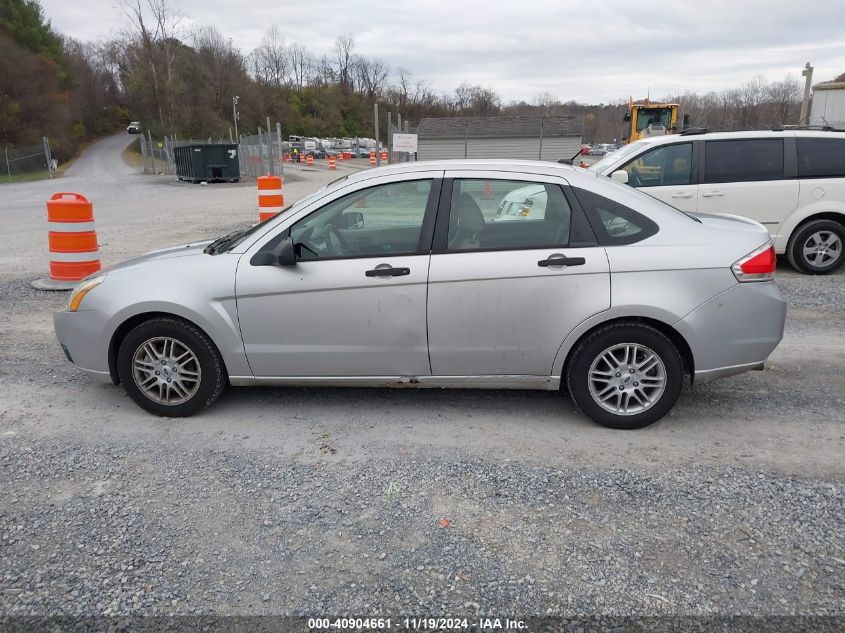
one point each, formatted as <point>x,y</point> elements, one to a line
<point>821,157</point>
<point>662,166</point>
<point>745,160</point>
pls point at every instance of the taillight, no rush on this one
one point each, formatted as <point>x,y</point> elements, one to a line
<point>758,265</point>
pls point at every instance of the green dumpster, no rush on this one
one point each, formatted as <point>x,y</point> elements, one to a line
<point>216,162</point>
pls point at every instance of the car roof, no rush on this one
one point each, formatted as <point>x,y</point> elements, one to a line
<point>469,164</point>
<point>719,136</point>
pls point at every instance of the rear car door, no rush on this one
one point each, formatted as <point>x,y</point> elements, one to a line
<point>507,286</point>
<point>354,302</point>
<point>748,177</point>
<point>666,172</point>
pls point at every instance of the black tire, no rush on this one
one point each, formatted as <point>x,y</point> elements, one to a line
<point>212,372</point>
<point>795,249</point>
<point>604,338</point>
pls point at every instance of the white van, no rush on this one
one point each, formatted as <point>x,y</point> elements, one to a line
<point>791,181</point>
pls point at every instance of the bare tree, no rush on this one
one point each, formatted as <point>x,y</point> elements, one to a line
<point>271,60</point>
<point>301,63</point>
<point>372,75</point>
<point>343,47</point>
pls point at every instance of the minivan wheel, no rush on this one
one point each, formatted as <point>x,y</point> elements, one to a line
<point>170,368</point>
<point>625,375</point>
<point>817,247</point>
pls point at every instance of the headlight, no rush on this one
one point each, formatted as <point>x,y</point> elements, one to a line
<point>81,290</point>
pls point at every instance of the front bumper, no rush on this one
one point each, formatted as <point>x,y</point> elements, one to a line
<point>736,330</point>
<point>84,338</point>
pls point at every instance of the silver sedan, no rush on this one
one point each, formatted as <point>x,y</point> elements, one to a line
<point>402,275</point>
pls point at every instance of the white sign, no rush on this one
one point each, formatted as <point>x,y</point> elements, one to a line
<point>404,142</point>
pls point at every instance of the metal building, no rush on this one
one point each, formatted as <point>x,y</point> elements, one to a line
<point>521,137</point>
<point>828,107</point>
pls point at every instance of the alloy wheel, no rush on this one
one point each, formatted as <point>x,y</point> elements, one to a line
<point>627,379</point>
<point>166,370</point>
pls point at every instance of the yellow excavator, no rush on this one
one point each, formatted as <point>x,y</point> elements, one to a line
<point>650,118</point>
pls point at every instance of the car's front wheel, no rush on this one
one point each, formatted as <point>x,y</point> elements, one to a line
<point>625,375</point>
<point>169,367</point>
<point>817,247</point>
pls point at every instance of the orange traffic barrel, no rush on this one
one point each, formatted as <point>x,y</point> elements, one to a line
<point>383,154</point>
<point>270,198</point>
<point>332,164</point>
<point>340,155</point>
<point>309,160</point>
<point>72,240</point>
<point>488,190</point>
<point>372,158</point>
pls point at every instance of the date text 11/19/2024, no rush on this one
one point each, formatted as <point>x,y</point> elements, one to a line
<point>416,624</point>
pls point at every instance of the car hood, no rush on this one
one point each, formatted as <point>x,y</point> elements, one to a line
<point>192,249</point>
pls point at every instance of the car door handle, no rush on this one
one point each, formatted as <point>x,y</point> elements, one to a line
<point>562,260</point>
<point>680,194</point>
<point>388,272</point>
<point>712,194</point>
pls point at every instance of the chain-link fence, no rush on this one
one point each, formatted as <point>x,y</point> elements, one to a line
<point>28,161</point>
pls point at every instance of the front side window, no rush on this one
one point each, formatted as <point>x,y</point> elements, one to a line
<point>821,157</point>
<point>377,221</point>
<point>507,214</point>
<point>743,160</point>
<point>668,165</point>
<point>614,223</point>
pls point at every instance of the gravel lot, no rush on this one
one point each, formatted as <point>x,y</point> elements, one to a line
<point>356,502</point>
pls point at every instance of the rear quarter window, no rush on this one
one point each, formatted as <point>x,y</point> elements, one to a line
<point>821,158</point>
<point>613,223</point>
<point>745,160</point>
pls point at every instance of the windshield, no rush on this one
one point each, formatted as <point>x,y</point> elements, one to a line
<point>653,116</point>
<point>623,152</point>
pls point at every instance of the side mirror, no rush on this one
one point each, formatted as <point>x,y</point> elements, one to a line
<point>620,175</point>
<point>351,220</point>
<point>627,117</point>
<point>282,254</point>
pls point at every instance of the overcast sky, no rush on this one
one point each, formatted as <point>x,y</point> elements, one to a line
<point>595,51</point>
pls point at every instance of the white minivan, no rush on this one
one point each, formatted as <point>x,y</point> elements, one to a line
<point>791,181</point>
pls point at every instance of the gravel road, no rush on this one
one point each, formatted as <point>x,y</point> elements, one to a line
<point>356,502</point>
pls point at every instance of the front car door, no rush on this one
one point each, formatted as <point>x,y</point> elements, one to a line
<point>354,304</point>
<point>666,172</point>
<point>506,285</point>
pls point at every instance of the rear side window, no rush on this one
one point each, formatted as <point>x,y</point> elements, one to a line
<point>743,160</point>
<point>821,157</point>
<point>614,223</point>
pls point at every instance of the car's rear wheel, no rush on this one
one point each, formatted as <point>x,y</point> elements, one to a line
<point>170,368</point>
<point>818,247</point>
<point>625,375</point>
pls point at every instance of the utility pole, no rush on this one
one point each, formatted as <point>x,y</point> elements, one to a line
<point>389,131</point>
<point>805,104</point>
<point>375,116</point>
<point>235,100</point>
<point>281,152</point>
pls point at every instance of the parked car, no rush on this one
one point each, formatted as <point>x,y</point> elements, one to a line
<point>791,181</point>
<point>525,203</point>
<point>134,127</point>
<point>401,276</point>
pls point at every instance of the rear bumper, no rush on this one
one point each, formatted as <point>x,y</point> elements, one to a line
<point>736,330</point>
